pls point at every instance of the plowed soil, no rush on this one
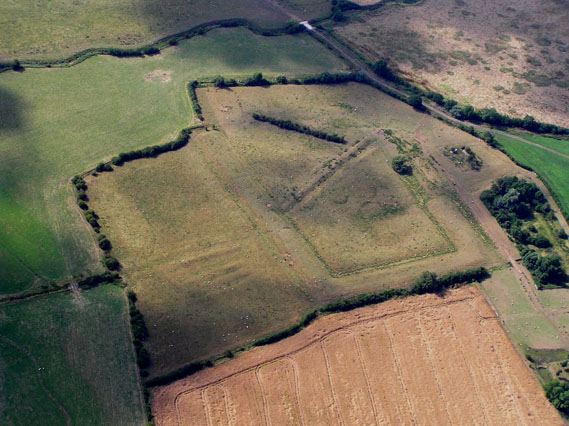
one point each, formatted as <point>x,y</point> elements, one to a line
<point>420,360</point>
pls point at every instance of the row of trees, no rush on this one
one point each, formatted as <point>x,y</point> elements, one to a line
<point>289,125</point>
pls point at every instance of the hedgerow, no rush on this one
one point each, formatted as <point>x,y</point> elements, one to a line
<point>155,150</point>
<point>194,99</point>
<point>295,127</point>
<point>450,280</point>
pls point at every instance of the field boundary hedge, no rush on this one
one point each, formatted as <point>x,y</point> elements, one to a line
<point>428,282</point>
<point>295,127</point>
<point>151,48</point>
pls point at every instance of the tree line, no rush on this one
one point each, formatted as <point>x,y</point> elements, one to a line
<point>295,127</point>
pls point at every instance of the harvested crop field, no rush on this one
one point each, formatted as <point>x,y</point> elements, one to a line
<point>422,360</point>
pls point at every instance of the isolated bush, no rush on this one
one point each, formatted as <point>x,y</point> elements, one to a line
<point>400,164</point>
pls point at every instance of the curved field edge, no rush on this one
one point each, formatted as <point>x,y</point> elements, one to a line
<point>140,49</point>
<point>441,284</point>
<point>418,320</point>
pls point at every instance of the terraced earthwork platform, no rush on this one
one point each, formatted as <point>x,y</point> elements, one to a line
<point>420,360</point>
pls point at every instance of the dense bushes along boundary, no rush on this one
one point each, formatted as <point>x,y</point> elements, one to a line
<point>513,202</point>
<point>428,282</point>
<point>295,127</point>
<point>154,150</point>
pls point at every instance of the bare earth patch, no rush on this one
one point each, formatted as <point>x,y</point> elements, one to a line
<point>159,75</point>
<point>423,360</point>
<point>509,56</point>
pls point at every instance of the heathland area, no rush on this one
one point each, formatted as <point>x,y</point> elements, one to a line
<point>60,122</point>
<point>291,198</point>
<point>511,56</point>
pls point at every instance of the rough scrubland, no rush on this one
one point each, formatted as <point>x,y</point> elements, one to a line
<point>512,57</point>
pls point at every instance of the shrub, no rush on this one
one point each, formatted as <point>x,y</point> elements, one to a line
<point>541,242</point>
<point>562,234</point>
<point>399,163</point>
<point>82,196</point>
<point>416,102</point>
<point>102,167</point>
<point>17,66</point>
<point>111,263</point>
<point>104,243</point>
<point>281,79</point>
<point>427,283</point>
<point>256,80</point>
<point>82,205</point>
<point>219,81</point>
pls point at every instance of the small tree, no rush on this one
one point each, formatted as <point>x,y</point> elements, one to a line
<point>17,66</point>
<point>401,166</point>
<point>219,81</point>
<point>416,102</point>
<point>427,283</point>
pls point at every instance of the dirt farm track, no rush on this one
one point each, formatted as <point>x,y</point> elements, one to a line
<point>420,360</point>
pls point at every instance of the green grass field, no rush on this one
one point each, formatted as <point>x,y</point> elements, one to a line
<point>88,372</point>
<point>556,144</point>
<point>60,28</point>
<point>59,122</point>
<point>553,169</point>
<point>524,323</point>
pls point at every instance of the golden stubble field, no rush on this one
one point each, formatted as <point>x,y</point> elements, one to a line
<point>220,251</point>
<point>477,52</point>
<point>421,360</point>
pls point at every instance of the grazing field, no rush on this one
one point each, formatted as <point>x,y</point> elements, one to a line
<point>31,30</point>
<point>511,57</point>
<point>525,323</point>
<point>59,122</point>
<point>69,361</point>
<point>216,240</point>
<point>552,167</point>
<point>370,366</point>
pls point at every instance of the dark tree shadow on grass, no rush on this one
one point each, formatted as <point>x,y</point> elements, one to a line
<point>11,110</point>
